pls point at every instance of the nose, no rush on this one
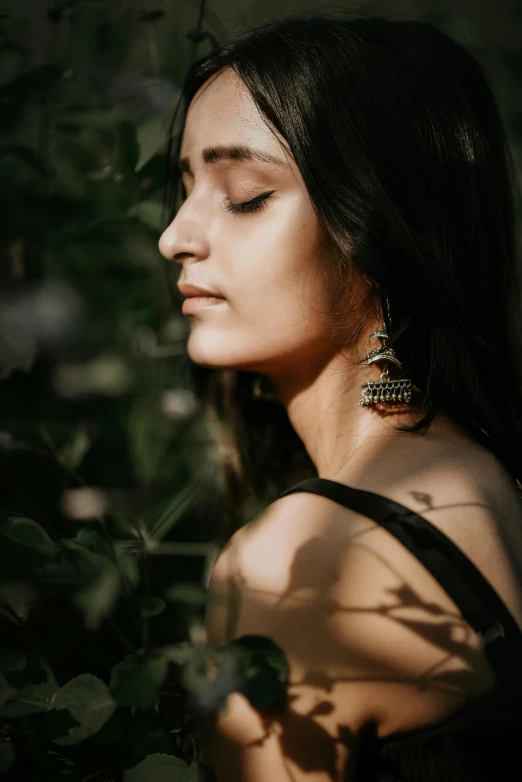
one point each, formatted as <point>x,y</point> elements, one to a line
<point>170,246</point>
<point>178,244</point>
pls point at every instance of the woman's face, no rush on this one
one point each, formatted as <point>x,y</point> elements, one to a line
<point>272,266</point>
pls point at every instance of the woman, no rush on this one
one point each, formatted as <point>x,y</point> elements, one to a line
<point>348,211</point>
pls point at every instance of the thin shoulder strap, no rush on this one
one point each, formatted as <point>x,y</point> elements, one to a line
<point>478,602</point>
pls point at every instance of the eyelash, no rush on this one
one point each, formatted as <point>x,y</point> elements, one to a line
<point>250,206</point>
<point>255,205</point>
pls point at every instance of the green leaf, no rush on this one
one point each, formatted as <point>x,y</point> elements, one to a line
<point>153,606</point>
<point>17,348</point>
<point>143,736</point>
<point>177,505</point>
<point>92,540</point>
<point>7,756</point>
<point>19,596</point>
<point>36,686</point>
<point>179,653</point>
<point>98,598</point>
<point>113,728</point>
<point>128,147</point>
<point>186,593</point>
<point>98,119</point>
<point>35,671</point>
<point>152,175</point>
<point>25,154</point>
<point>150,741</point>
<point>160,768</point>
<point>90,704</point>
<point>59,722</point>
<point>149,212</point>
<point>72,453</point>
<point>150,436</point>
<point>152,136</point>
<point>11,660</point>
<point>265,670</point>
<point>6,691</point>
<point>61,571</point>
<point>210,675</point>
<point>28,533</point>
<point>128,568</point>
<point>118,672</point>
<point>136,684</point>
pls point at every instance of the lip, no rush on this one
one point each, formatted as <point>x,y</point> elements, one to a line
<point>189,291</point>
<point>194,303</point>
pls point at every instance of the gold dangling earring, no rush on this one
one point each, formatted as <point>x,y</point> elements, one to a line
<point>385,391</point>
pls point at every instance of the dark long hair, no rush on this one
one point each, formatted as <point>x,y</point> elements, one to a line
<point>399,141</point>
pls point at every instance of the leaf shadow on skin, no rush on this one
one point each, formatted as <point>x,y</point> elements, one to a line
<point>301,737</point>
<point>305,739</point>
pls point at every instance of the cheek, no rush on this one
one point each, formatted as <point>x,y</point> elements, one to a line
<point>279,295</point>
<point>286,305</point>
<point>285,280</point>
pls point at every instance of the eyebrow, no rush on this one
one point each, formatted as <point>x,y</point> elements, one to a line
<point>236,152</point>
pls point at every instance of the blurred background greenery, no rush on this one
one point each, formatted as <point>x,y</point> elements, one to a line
<point>111,496</point>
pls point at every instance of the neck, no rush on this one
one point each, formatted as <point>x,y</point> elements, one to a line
<point>342,437</point>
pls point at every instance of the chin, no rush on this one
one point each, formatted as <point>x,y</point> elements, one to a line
<point>215,359</point>
<point>217,348</point>
<point>211,351</point>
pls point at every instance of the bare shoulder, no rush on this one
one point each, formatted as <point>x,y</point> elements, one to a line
<point>472,499</point>
<point>364,625</point>
<point>259,554</point>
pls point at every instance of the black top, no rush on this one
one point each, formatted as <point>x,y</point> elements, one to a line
<point>480,742</point>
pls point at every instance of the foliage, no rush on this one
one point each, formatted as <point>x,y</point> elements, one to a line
<point>111,505</point>
<point>111,502</point>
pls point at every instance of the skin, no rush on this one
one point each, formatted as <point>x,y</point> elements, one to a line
<point>274,267</point>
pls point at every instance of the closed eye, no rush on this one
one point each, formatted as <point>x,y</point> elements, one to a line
<point>257,203</point>
<point>254,205</point>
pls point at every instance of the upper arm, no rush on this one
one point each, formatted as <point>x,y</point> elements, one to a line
<point>369,635</point>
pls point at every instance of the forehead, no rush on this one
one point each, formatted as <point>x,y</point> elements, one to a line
<point>223,112</point>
